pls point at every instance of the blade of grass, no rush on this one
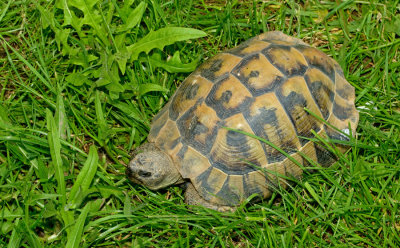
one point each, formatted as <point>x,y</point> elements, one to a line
<point>74,239</point>
<point>55,151</point>
<point>61,118</point>
<point>313,194</point>
<point>101,122</point>
<point>86,175</point>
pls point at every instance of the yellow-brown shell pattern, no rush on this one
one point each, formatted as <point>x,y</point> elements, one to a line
<point>261,87</point>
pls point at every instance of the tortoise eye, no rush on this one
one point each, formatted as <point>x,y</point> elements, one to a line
<point>144,173</point>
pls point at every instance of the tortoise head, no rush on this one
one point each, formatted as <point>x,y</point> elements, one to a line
<point>152,168</point>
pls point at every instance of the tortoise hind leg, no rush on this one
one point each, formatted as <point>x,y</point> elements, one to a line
<point>192,197</point>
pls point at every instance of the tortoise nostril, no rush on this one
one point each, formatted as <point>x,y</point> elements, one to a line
<point>144,173</point>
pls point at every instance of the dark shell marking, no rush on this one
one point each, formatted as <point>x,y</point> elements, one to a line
<point>228,97</point>
<point>198,127</point>
<point>261,87</point>
<point>289,60</point>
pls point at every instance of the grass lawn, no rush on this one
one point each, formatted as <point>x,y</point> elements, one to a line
<point>80,81</point>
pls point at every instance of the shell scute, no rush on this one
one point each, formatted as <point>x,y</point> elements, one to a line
<point>290,168</point>
<point>324,157</point>
<point>279,37</point>
<point>294,96</point>
<point>236,186</point>
<point>344,89</point>
<point>250,47</point>
<point>158,122</point>
<point>322,89</point>
<point>192,90</point>
<point>255,182</point>
<point>342,110</point>
<point>231,193</point>
<point>168,137</point>
<point>198,126</point>
<point>258,74</point>
<point>308,152</point>
<point>218,66</point>
<point>228,97</point>
<point>269,120</point>
<point>234,152</point>
<point>210,183</point>
<point>319,60</point>
<point>287,59</point>
<point>276,172</point>
<point>192,163</point>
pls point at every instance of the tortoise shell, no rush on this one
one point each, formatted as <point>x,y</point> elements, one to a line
<point>261,87</point>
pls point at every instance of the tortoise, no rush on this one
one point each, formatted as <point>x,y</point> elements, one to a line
<point>262,88</point>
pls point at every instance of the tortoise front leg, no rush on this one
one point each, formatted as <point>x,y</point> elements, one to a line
<point>192,197</point>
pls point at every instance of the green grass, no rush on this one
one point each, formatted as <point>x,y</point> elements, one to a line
<point>76,99</point>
